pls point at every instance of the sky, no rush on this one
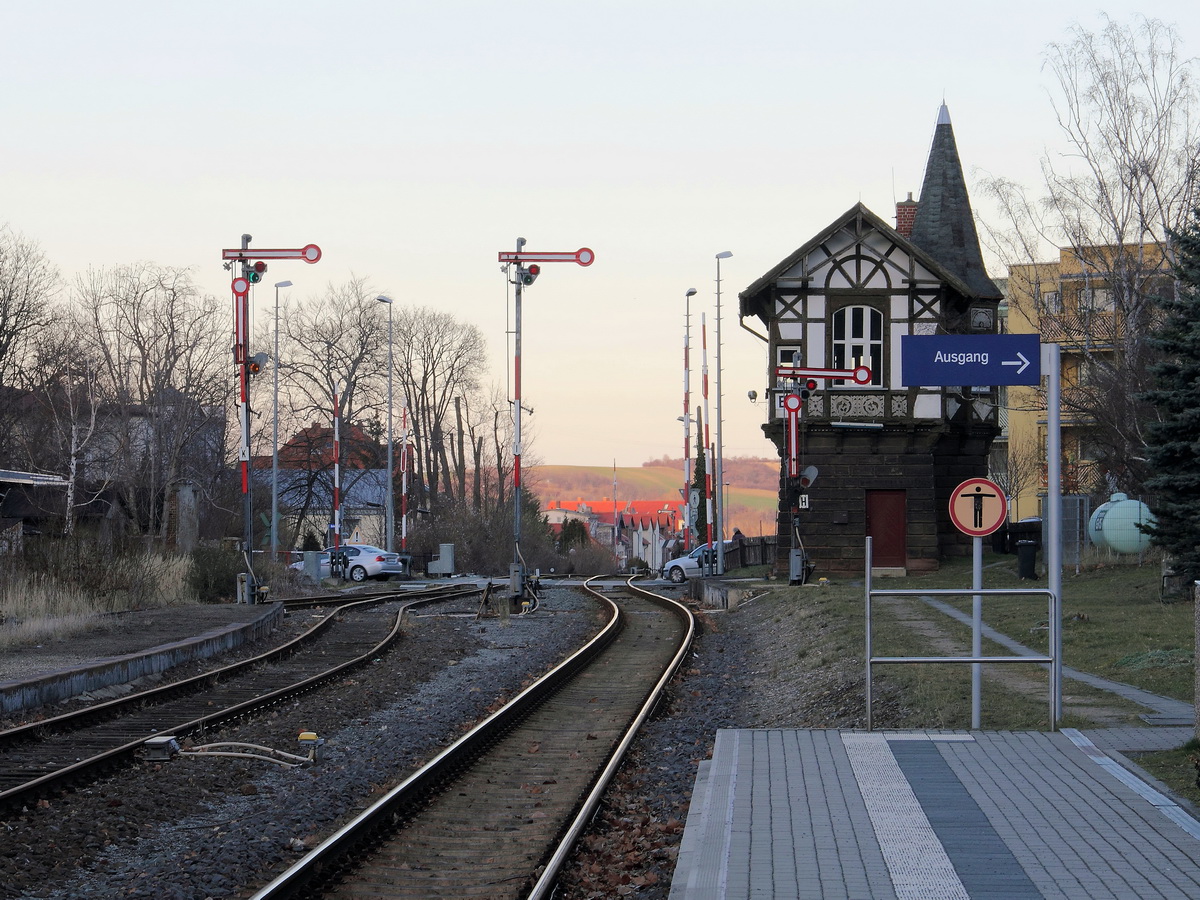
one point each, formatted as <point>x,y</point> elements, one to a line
<point>415,141</point>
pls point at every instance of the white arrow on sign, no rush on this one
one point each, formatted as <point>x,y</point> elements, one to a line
<point>1022,362</point>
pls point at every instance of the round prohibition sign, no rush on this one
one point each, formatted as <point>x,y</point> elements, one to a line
<point>978,507</point>
<point>792,403</point>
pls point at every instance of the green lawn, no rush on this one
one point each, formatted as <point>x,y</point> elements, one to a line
<point>1114,624</point>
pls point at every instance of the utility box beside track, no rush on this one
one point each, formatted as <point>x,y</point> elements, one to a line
<point>443,563</point>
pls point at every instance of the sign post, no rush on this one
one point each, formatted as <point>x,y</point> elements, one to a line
<point>977,508</point>
<point>948,360</point>
<point>528,268</point>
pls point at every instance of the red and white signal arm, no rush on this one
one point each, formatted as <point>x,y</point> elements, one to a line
<point>309,253</point>
<point>978,507</point>
<point>583,256</point>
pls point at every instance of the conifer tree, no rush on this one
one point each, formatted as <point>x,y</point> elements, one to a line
<point>1173,440</point>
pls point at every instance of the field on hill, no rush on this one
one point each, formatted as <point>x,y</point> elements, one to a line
<point>751,498</point>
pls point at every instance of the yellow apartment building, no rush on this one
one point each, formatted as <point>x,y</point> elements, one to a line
<point>1094,302</point>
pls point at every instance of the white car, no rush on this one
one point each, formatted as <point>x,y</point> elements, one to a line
<point>693,565</point>
<point>363,561</point>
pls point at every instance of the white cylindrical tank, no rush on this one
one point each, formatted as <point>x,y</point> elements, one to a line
<point>1114,525</point>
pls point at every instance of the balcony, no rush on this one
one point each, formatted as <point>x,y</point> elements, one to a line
<point>1084,329</point>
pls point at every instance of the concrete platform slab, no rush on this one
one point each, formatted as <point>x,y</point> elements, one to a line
<point>923,815</point>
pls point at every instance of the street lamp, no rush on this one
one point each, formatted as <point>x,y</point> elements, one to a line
<point>390,502</point>
<point>685,418</point>
<point>724,254</point>
<point>724,503</point>
<point>275,435</point>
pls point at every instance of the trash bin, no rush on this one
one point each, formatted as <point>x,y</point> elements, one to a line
<point>1027,559</point>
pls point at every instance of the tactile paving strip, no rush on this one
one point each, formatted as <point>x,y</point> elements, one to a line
<point>916,860</point>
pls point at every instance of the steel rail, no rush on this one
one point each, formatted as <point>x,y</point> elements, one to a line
<point>368,829</point>
<point>80,718</point>
<point>125,753</point>
<point>544,886</point>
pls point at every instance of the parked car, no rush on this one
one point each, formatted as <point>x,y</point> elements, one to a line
<point>363,561</point>
<point>693,565</point>
<point>322,564</point>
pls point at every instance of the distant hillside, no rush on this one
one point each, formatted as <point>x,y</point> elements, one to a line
<point>751,499</point>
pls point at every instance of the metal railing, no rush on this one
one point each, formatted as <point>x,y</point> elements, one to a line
<point>1054,626</point>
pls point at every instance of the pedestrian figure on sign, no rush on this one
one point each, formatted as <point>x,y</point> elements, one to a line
<point>977,496</point>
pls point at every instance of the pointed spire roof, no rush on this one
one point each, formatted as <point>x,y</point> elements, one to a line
<point>945,227</point>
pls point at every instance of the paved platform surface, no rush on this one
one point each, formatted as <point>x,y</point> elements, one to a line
<point>931,815</point>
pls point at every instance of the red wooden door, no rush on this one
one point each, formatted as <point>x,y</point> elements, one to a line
<point>886,518</point>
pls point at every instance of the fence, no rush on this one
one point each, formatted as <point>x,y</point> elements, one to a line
<point>746,552</point>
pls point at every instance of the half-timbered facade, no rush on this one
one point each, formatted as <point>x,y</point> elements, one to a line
<point>887,456</point>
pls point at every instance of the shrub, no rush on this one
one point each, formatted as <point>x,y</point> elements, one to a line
<point>212,574</point>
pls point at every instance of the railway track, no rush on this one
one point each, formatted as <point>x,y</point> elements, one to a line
<point>64,751</point>
<point>494,815</point>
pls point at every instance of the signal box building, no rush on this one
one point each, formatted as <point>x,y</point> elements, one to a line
<point>887,456</point>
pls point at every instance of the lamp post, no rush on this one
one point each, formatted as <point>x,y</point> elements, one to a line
<point>275,435</point>
<point>685,418</point>
<point>390,503</point>
<point>720,473</point>
<point>724,505</point>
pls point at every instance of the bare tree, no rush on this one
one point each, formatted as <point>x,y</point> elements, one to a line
<point>439,360</point>
<point>1126,107</point>
<point>29,283</point>
<point>336,346</point>
<point>336,339</point>
<point>161,349</point>
<point>1017,468</point>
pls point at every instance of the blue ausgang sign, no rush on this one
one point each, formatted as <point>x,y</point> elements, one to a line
<point>964,359</point>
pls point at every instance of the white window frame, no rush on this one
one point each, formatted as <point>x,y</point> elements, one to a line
<point>859,344</point>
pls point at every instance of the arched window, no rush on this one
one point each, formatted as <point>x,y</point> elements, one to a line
<point>858,341</point>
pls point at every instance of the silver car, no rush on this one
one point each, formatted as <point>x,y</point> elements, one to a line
<point>363,561</point>
<point>694,565</point>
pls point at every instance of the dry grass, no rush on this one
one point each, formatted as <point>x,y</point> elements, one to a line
<point>40,602</point>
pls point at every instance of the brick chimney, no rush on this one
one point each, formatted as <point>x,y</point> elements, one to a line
<point>906,214</point>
